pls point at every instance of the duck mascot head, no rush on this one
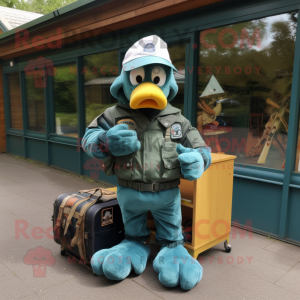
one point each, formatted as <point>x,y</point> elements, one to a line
<point>149,146</point>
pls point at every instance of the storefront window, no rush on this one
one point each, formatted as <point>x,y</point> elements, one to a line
<point>16,116</point>
<point>177,55</point>
<point>35,103</point>
<point>100,70</point>
<point>65,100</point>
<point>244,86</point>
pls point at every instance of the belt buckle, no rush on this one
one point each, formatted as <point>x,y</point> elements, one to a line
<point>150,187</point>
<point>153,185</point>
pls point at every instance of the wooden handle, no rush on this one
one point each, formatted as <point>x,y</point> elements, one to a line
<point>270,102</point>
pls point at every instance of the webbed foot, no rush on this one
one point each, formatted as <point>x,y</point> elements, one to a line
<point>117,262</point>
<point>176,266</point>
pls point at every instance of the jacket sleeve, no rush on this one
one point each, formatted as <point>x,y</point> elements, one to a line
<point>193,139</point>
<point>94,140</point>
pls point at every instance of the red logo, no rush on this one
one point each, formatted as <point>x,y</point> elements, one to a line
<point>39,258</point>
<point>40,68</point>
<point>94,165</point>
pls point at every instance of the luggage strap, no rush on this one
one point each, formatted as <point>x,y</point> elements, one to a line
<point>78,237</point>
<point>108,195</point>
<point>71,214</point>
<point>149,187</point>
<point>61,208</point>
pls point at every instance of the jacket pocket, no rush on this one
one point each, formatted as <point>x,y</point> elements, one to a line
<point>171,166</point>
<point>123,166</point>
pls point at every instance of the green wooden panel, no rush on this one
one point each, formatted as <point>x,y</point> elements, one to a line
<point>15,145</point>
<point>293,223</point>
<point>65,157</point>
<point>37,150</point>
<point>92,168</point>
<point>256,202</point>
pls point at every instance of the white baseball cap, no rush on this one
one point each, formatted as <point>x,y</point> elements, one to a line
<point>148,50</point>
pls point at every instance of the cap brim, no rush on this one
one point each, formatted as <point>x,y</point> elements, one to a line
<point>146,60</point>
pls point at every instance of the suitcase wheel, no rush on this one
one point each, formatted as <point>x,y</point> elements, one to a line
<point>63,252</point>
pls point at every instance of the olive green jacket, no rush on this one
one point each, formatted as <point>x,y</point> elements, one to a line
<point>157,159</point>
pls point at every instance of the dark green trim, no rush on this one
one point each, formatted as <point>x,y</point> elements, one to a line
<point>193,77</point>
<point>24,110</point>
<point>70,141</point>
<point>295,179</point>
<point>6,102</point>
<point>292,135</point>
<point>15,132</point>
<point>49,115</point>
<point>259,175</point>
<point>35,136</point>
<point>186,81</point>
<point>81,111</point>
<point>3,28</point>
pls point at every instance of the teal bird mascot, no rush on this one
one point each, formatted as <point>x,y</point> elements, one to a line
<point>149,146</point>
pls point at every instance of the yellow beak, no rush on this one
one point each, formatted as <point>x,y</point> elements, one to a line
<point>148,95</point>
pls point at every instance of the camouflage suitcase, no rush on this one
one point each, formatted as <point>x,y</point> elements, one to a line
<point>86,222</point>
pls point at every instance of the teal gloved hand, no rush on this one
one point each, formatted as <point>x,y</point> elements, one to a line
<point>122,141</point>
<point>191,162</point>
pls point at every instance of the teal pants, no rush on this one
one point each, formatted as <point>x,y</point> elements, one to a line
<point>165,207</point>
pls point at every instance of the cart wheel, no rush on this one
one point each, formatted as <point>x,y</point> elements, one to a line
<point>63,252</point>
<point>227,247</point>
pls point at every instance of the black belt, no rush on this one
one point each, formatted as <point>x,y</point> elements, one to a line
<point>149,187</point>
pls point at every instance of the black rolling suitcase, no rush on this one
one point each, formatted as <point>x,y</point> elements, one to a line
<point>87,221</point>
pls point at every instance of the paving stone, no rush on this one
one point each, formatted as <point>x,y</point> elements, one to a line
<point>14,201</point>
<point>14,288</point>
<point>4,192</point>
<point>247,251</point>
<point>31,297</point>
<point>239,284</point>
<point>200,291</point>
<point>36,215</point>
<point>61,271</point>
<point>285,249</point>
<point>291,280</point>
<point>28,191</point>
<point>5,273</point>
<point>148,275</point>
<point>88,286</point>
<point>262,270</point>
<point>239,235</point>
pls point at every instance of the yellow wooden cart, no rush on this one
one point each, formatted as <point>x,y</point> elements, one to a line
<point>208,202</point>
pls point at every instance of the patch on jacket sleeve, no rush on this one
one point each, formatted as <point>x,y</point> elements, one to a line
<point>176,131</point>
<point>130,122</point>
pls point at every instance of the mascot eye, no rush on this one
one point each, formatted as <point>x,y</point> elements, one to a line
<point>158,76</point>
<point>137,76</point>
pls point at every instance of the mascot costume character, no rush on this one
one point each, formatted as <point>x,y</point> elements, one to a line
<point>148,145</point>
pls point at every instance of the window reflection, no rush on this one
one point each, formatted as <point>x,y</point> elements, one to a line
<point>35,104</point>
<point>177,55</point>
<point>100,71</point>
<point>65,100</point>
<point>244,85</point>
<point>16,115</point>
